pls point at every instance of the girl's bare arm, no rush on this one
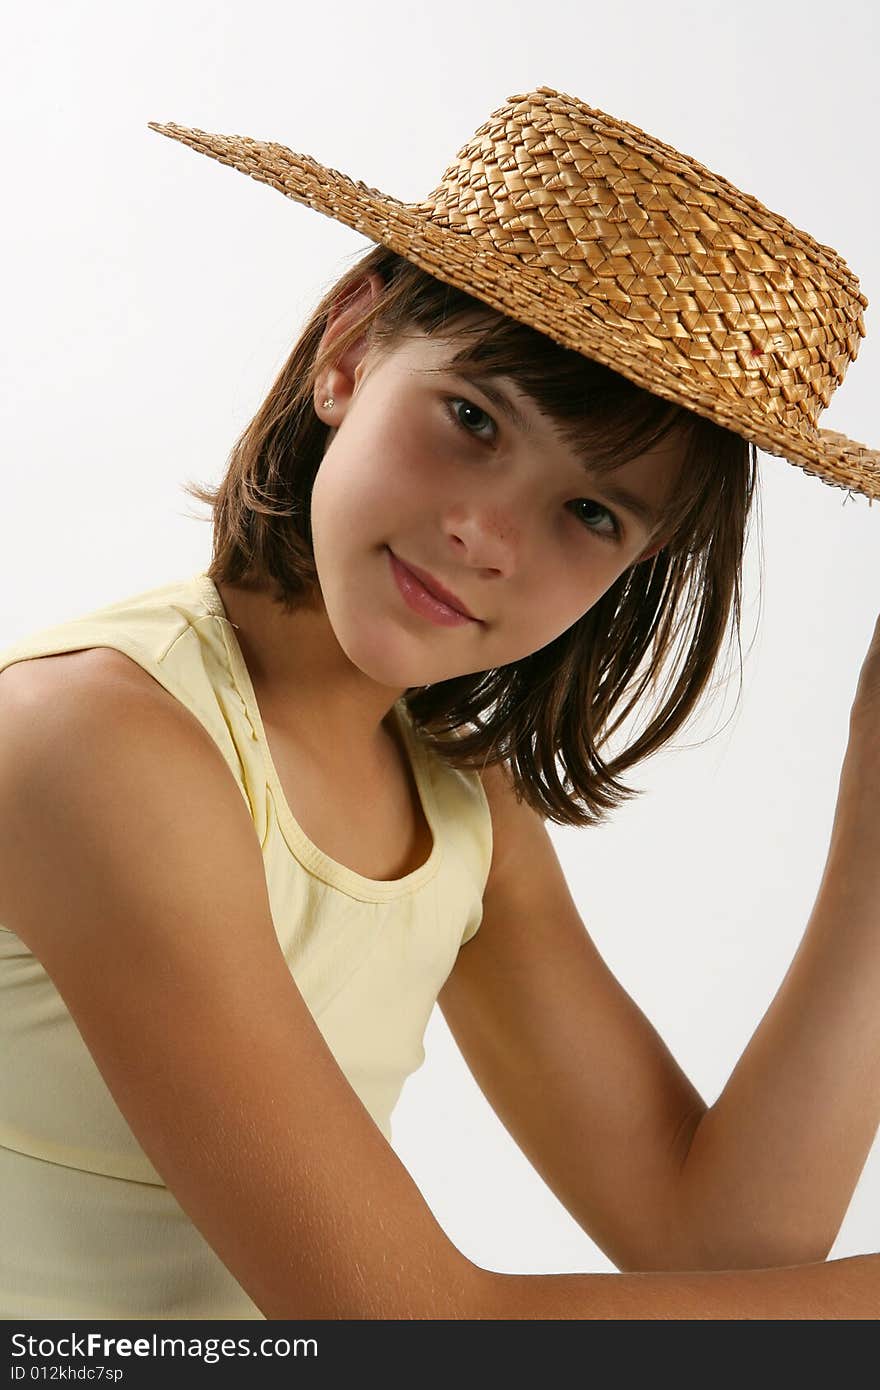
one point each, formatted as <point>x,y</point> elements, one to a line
<point>773,1164</point>
<point>846,1289</point>
<point>130,867</point>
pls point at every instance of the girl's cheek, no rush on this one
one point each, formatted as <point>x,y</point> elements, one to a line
<point>429,442</point>
<point>419,473</point>
<point>562,606</point>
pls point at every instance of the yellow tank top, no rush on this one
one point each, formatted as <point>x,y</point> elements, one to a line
<point>88,1227</point>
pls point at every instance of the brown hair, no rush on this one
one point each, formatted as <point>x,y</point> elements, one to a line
<point>545,716</point>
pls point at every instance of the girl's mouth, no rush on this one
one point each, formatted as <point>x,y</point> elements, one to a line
<point>421,600</point>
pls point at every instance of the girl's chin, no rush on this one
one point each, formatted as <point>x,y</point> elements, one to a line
<point>400,674</point>
<point>391,651</point>
<point>374,659</point>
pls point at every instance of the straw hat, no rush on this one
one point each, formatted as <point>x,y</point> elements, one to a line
<point>628,251</point>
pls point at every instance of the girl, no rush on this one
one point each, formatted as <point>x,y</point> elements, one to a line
<point>257,822</point>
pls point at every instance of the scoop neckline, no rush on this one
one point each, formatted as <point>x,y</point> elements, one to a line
<point>316,860</point>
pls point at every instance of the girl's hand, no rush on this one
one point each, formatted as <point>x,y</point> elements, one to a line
<point>856,820</point>
<point>864,720</point>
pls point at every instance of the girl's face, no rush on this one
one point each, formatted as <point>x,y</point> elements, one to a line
<point>425,468</point>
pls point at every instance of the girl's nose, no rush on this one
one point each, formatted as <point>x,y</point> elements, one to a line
<point>485,537</point>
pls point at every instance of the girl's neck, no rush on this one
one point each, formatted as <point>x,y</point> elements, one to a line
<point>305,685</point>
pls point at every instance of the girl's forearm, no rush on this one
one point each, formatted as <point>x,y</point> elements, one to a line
<point>848,1288</point>
<point>773,1164</point>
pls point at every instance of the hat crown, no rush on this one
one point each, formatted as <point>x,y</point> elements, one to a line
<point>665,252</point>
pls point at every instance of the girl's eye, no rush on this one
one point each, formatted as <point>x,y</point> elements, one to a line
<point>471,410</point>
<point>615,531</point>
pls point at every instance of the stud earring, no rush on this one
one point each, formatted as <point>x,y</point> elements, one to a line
<point>328,404</point>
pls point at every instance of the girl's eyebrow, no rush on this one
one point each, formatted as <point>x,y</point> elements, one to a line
<point>637,506</point>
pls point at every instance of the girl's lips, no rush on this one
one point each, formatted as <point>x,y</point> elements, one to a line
<point>421,600</point>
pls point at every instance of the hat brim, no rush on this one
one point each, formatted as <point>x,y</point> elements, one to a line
<point>529,295</point>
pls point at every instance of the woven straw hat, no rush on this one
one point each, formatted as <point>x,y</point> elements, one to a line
<point>628,251</point>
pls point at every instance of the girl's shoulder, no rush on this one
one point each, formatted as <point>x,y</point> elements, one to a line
<point>60,683</point>
<point>75,671</point>
<point>517,829</point>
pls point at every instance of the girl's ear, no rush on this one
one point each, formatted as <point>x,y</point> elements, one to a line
<point>339,380</point>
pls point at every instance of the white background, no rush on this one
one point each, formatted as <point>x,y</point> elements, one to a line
<point>151,295</point>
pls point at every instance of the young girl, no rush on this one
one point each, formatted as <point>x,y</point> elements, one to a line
<point>256,823</point>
